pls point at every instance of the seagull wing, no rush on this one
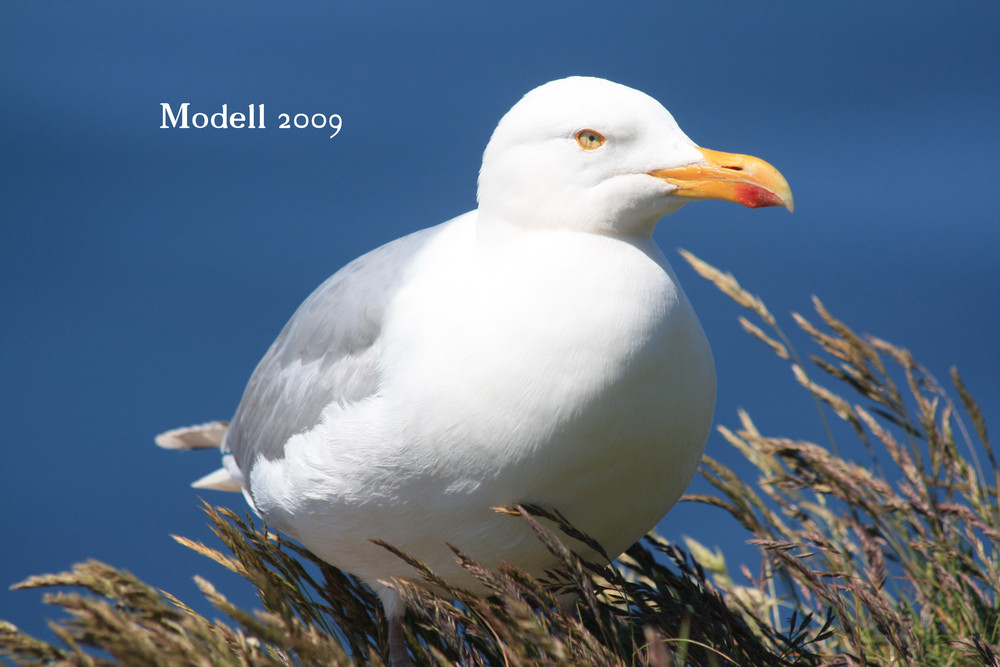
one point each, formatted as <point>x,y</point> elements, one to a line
<point>328,352</point>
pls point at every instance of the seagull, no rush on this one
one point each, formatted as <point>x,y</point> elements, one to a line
<point>537,350</point>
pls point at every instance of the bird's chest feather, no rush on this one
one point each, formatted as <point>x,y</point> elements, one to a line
<point>578,340</point>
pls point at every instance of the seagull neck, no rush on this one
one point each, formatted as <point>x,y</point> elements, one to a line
<point>494,231</point>
<point>498,229</point>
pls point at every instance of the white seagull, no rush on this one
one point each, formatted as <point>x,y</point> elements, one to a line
<point>536,350</point>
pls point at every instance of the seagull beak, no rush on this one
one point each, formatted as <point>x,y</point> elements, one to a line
<point>743,179</point>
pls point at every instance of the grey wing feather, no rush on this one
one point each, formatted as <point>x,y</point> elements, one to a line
<point>327,352</point>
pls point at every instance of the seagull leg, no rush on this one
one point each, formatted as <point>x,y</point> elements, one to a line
<point>394,610</point>
<point>567,603</point>
<point>398,656</point>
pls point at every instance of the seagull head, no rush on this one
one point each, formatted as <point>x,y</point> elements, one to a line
<point>590,155</point>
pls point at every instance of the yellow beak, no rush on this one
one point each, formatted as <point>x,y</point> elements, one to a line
<point>743,179</point>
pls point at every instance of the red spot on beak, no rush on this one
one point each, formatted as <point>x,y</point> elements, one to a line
<point>755,196</point>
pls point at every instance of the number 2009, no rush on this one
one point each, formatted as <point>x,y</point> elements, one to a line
<point>317,120</point>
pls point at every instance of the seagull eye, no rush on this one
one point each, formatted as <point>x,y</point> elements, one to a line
<point>589,139</point>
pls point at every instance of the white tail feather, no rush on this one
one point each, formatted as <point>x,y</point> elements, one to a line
<point>220,480</point>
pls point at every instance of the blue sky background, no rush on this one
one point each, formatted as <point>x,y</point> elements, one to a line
<point>145,271</point>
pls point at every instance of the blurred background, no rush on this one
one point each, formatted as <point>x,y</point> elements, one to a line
<point>145,271</point>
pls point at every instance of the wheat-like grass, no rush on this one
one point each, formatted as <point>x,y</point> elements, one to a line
<point>862,563</point>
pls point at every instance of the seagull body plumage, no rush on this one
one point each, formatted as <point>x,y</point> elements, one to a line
<point>536,350</point>
<point>499,393</point>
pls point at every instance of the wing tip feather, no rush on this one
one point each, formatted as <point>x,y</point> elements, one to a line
<point>201,436</point>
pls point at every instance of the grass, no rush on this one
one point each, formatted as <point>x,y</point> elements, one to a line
<point>891,560</point>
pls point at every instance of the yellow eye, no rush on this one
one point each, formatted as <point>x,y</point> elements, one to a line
<point>589,139</point>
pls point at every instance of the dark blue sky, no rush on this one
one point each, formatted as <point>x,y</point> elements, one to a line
<point>145,271</point>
